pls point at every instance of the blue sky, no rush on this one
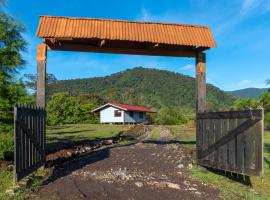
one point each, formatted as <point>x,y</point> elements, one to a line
<point>241,29</point>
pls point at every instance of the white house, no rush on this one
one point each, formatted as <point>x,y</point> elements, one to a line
<point>121,113</point>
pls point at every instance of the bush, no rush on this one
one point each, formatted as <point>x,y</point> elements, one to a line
<point>6,142</point>
<point>66,109</point>
<point>246,104</point>
<point>171,116</point>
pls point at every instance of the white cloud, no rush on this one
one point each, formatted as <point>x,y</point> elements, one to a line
<point>249,83</point>
<point>245,82</point>
<point>188,67</point>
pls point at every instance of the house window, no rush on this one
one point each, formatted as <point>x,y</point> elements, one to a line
<point>117,113</point>
<point>141,115</point>
<point>131,113</point>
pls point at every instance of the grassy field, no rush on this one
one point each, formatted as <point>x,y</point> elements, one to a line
<point>259,188</point>
<point>59,135</point>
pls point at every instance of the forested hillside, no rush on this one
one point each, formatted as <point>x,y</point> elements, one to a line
<point>249,92</point>
<point>144,86</point>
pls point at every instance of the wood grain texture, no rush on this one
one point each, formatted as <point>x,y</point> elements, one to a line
<point>232,144</point>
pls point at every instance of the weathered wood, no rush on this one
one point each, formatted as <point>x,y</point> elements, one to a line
<point>231,144</point>
<point>68,46</point>
<point>240,154</point>
<point>217,137</point>
<point>259,128</point>
<point>41,74</point>
<point>249,137</point>
<point>231,134</point>
<point>200,83</point>
<point>231,114</point>
<point>231,141</point>
<point>211,138</point>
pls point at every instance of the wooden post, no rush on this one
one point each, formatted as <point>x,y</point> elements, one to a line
<point>200,83</point>
<point>41,75</point>
<point>200,100</point>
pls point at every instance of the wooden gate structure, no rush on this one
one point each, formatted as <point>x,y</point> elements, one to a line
<point>231,141</point>
<point>29,140</point>
<point>141,38</point>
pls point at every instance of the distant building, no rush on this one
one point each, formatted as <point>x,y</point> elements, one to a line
<point>121,113</point>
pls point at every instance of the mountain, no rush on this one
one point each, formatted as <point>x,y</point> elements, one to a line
<point>249,92</point>
<point>144,86</point>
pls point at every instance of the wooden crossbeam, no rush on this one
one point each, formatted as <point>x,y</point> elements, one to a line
<point>228,137</point>
<point>66,46</point>
<point>231,114</point>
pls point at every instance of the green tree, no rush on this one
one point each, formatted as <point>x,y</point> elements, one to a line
<point>12,91</point>
<point>170,116</point>
<point>245,104</point>
<point>31,81</point>
<point>64,108</point>
<point>265,102</point>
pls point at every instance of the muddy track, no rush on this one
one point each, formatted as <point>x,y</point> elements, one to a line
<point>142,170</point>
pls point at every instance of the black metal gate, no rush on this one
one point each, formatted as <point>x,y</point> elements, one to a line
<point>29,139</point>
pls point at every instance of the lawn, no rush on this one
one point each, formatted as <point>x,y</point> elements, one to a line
<point>64,134</point>
<point>259,189</point>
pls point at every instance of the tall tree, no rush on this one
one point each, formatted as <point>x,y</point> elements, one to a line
<point>31,81</point>
<point>12,91</point>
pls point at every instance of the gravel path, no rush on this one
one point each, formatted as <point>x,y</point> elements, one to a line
<point>140,171</point>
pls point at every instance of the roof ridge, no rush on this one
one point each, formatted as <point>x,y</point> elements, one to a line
<point>127,21</point>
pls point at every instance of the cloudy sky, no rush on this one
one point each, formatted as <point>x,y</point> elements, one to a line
<point>241,29</point>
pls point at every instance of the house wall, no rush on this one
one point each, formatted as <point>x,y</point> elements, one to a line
<point>136,117</point>
<point>107,115</point>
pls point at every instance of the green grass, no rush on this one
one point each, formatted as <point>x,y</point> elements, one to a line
<point>58,135</point>
<point>6,181</point>
<point>155,133</point>
<point>185,134</point>
<point>229,189</point>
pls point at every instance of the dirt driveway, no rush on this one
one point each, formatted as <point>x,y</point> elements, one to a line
<point>145,170</point>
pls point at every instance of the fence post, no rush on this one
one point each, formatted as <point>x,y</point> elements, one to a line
<point>41,74</point>
<point>200,97</point>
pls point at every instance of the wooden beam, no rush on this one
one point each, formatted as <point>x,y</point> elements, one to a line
<point>68,46</point>
<point>200,83</point>
<point>41,74</point>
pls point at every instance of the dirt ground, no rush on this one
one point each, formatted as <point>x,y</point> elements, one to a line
<point>148,169</point>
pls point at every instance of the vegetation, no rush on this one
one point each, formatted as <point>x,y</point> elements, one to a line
<point>246,104</point>
<point>172,116</point>
<point>31,81</point>
<point>185,134</point>
<point>263,102</point>
<point>247,93</point>
<point>12,91</point>
<point>148,87</point>
<point>66,109</point>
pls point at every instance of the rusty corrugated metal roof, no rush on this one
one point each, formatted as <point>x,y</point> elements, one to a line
<point>91,28</point>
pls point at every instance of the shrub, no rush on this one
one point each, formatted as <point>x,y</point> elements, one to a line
<point>66,109</point>
<point>246,104</point>
<point>171,116</point>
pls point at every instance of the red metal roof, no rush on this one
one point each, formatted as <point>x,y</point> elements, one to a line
<point>132,108</point>
<point>122,30</point>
